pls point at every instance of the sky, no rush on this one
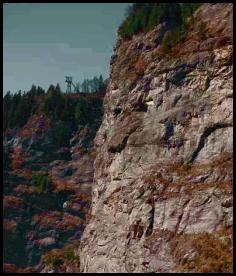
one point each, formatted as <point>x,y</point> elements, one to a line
<point>43,43</point>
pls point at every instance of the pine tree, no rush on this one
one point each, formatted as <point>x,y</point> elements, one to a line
<point>77,87</point>
<point>188,9</point>
<point>101,85</point>
<point>154,18</point>
<point>96,84</point>
<point>145,16</point>
<point>167,42</point>
<point>83,86</point>
<point>170,13</point>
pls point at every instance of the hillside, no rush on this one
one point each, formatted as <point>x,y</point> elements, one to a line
<point>162,192</point>
<point>137,179</point>
<point>48,173</point>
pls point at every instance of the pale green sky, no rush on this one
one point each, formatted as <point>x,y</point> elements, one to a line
<point>42,43</point>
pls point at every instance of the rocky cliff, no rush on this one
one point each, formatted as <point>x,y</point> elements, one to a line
<point>162,197</point>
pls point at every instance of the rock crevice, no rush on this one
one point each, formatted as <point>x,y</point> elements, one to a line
<point>164,153</point>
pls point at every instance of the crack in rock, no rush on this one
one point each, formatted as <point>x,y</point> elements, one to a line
<point>207,132</point>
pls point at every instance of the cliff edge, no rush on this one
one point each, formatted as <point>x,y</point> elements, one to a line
<point>162,196</point>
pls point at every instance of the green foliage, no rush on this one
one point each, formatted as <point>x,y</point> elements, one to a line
<point>64,256</point>
<point>18,107</point>
<point>188,9</point>
<point>41,182</point>
<point>171,38</point>
<point>60,133</point>
<point>52,105</point>
<point>137,20</point>
<point>170,13</point>
<point>142,17</point>
<point>154,17</point>
<point>56,105</point>
<point>167,42</point>
<point>80,111</point>
<point>69,254</point>
<point>60,107</point>
<point>53,261</point>
<point>97,84</point>
<point>87,109</point>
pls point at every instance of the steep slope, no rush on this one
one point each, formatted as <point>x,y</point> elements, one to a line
<point>48,176</point>
<point>162,197</point>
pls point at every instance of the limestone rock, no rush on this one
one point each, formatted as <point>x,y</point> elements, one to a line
<point>164,165</point>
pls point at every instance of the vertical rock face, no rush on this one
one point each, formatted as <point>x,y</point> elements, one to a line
<point>163,172</point>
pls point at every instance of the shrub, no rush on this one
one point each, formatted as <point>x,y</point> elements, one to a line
<point>213,254</point>
<point>18,107</point>
<point>171,38</point>
<point>154,17</point>
<point>60,133</point>
<point>63,258</point>
<point>53,261</point>
<point>69,254</point>
<point>167,42</point>
<point>177,19</point>
<point>42,182</point>
<point>188,9</point>
<point>87,109</point>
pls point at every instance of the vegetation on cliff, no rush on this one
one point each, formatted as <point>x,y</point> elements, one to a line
<point>54,104</point>
<point>143,17</point>
<point>38,129</point>
<point>159,211</point>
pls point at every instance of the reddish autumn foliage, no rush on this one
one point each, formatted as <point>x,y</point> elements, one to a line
<point>22,188</point>
<point>9,224</point>
<point>59,220</point>
<point>11,202</point>
<point>35,125</point>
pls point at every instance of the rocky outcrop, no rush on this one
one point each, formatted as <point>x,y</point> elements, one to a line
<point>163,171</point>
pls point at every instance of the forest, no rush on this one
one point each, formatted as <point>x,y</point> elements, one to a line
<point>92,85</point>
<point>143,17</point>
<point>54,104</point>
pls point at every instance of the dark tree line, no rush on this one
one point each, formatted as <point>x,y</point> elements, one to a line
<point>18,107</point>
<point>142,17</point>
<point>96,84</point>
<point>54,104</point>
<point>60,106</point>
